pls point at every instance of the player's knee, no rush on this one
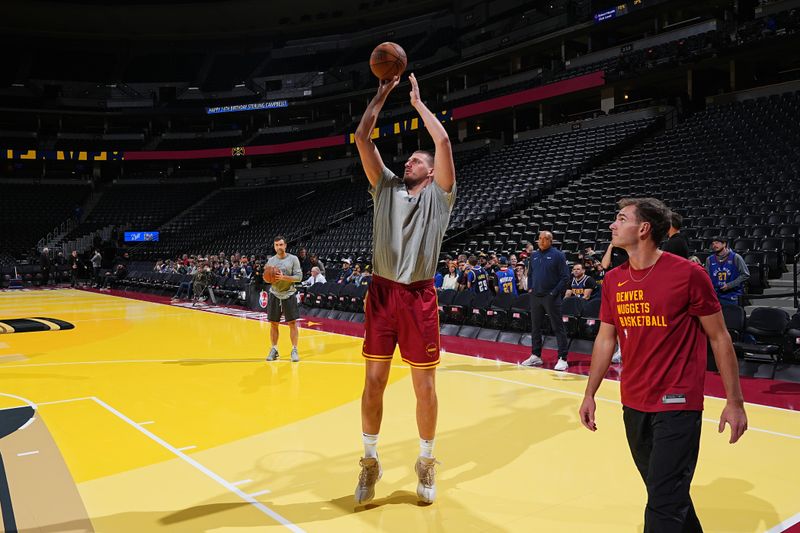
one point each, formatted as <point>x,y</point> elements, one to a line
<point>426,391</point>
<point>375,384</point>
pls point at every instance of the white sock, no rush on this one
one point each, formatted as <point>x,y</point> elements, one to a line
<point>370,445</point>
<point>426,448</point>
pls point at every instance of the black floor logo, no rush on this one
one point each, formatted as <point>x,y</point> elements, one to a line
<point>26,325</point>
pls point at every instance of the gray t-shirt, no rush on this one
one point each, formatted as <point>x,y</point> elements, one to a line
<point>407,231</point>
<point>290,266</point>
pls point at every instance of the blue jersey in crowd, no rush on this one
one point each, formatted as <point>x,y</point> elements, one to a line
<point>478,279</point>
<point>723,273</point>
<point>506,281</point>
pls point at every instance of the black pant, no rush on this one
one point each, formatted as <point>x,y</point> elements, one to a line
<point>552,306</point>
<point>665,447</point>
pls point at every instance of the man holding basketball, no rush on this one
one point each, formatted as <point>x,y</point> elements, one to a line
<point>664,310</point>
<point>411,216</point>
<point>282,298</point>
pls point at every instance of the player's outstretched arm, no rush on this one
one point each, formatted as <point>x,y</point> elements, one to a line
<point>602,352</point>
<point>370,157</point>
<point>733,414</point>
<point>444,169</point>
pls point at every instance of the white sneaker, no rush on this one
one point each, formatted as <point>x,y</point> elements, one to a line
<point>273,354</point>
<point>426,472</point>
<point>617,357</point>
<point>561,365</point>
<point>294,355</point>
<point>533,360</point>
<point>371,472</point>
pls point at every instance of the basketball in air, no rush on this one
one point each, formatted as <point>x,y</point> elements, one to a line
<point>388,60</point>
<point>271,274</point>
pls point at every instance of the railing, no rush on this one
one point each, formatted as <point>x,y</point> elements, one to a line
<point>65,227</point>
<point>794,294</point>
<point>794,268</point>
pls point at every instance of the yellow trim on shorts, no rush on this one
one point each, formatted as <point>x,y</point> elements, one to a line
<point>373,357</point>
<point>421,365</point>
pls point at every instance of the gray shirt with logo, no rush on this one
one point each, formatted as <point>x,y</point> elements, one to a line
<point>407,231</point>
<point>290,266</point>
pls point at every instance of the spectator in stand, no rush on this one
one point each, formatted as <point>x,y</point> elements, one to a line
<point>525,257</point>
<point>512,262</point>
<point>450,279</point>
<point>44,261</point>
<point>346,271</point>
<point>315,262</point>
<point>462,272</point>
<point>676,243</point>
<point>728,272</point>
<point>582,285</point>
<point>356,276</point>
<point>491,268</point>
<point>599,273</point>
<point>696,260</point>
<point>305,262</point>
<point>477,278</point>
<point>314,277</point>
<point>587,259</point>
<point>366,275</point>
<point>506,278</point>
<point>522,279</point>
<point>60,260</point>
<point>247,270</point>
<point>440,272</point>
<point>159,266</point>
<point>613,258</point>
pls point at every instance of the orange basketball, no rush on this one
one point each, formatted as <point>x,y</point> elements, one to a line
<point>271,273</point>
<point>388,60</point>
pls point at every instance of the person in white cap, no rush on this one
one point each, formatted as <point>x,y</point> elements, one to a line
<point>347,269</point>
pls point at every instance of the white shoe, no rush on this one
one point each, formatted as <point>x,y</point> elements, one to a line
<point>273,354</point>
<point>426,472</point>
<point>371,472</point>
<point>533,360</point>
<point>617,357</point>
<point>561,365</point>
<point>294,355</point>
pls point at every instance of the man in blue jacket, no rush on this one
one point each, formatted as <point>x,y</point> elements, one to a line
<point>548,276</point>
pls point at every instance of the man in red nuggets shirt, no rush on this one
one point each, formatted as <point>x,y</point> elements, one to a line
<point>663,308</point>
<point>411,216</point>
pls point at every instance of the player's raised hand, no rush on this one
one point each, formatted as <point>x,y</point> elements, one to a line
<point>386,86</point>
<point>414,93</point>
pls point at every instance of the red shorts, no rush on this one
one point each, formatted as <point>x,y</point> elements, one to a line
<point>407,315</point>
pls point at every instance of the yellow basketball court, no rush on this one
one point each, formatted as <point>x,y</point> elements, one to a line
<point>153,417</point>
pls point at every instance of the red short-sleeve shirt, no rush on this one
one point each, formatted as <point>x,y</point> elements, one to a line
<point>656,315</point>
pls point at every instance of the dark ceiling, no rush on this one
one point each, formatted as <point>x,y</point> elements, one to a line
<point>202,19</point>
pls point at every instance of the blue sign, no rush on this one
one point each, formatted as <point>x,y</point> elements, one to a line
<point>605,15</point>
<point>141,236</point>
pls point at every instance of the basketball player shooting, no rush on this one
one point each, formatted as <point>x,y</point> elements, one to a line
<point>411,216</point>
